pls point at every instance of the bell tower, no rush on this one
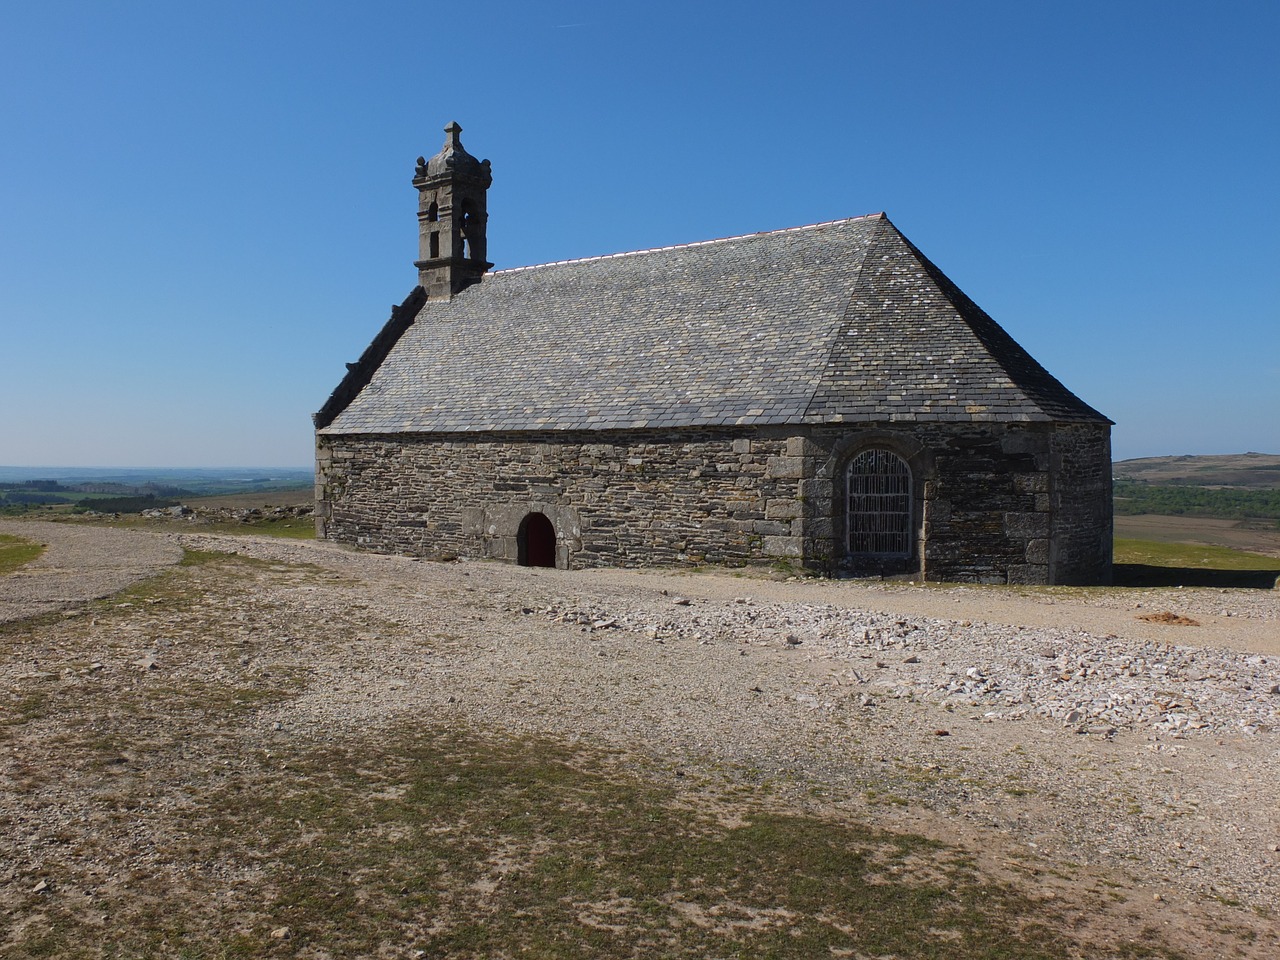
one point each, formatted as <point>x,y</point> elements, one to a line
<point>452,215</point>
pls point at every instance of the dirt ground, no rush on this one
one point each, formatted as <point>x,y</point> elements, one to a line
<point>808,689</point>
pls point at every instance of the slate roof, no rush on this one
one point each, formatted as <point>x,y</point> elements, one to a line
<point>835,322</point>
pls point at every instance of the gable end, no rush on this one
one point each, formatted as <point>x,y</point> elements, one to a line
<point>361,372</point>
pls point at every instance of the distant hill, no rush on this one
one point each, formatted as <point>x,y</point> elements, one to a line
<point>137,480</point>
<point>1247,471</point>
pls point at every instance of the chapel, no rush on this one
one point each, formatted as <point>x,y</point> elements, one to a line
<point>821,397</point>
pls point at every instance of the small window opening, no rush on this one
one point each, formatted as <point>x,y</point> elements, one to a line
<point>467,224</point>
<point>536,542</point>
<point>435,244</point>
<point>878,509</point>
<point>433,212</point>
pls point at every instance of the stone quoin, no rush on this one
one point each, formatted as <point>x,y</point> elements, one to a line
<point>822,395</point>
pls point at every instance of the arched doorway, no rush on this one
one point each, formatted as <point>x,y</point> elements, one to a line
<point>536,542</point>
<point>878,510</point>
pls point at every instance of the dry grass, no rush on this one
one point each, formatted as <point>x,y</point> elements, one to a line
<point>163,815</point>
<point>1250,536</point>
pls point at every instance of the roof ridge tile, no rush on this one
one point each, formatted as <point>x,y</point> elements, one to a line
<point>686,246</point>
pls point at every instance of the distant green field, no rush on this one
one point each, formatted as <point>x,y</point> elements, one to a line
<point>1135,497</point>
<point>1190,555</point>
<point>1147,563</point>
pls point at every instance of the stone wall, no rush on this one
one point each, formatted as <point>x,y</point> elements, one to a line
<point>1082,507</point>
<point>616,499</point>
<point>993,503</point>
<point>982,508</point>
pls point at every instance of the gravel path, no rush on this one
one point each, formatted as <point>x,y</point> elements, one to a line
<point>80,563</point>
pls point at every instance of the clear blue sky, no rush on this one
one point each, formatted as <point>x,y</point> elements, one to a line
<point>205,209</point>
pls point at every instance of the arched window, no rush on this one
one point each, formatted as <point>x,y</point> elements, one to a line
<point>433,212</point>
<point>878,509</point>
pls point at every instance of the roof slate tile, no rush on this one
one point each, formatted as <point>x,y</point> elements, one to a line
<point>836,322</point>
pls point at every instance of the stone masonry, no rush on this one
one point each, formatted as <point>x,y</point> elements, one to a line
<point>986,506</point>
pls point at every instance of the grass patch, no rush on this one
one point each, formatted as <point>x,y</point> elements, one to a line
<point>24,708</point>
<point>1151,563</point>
<point>292,528</point>
<point>456,845</point>
<point>173,587</point>
<point>201,558</point>
<point>16,552</point>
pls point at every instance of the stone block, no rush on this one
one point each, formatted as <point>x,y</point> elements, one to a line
<point>1038,551</point>
<point>783,546</point>
<point>742,446</point>
<point>771,528</point>
<point>1031,483</point>
<point>785,468</point>
<point>473,521</point>
<point>1022,442</point>
<point>1028,573</point>
<point>1026,526</point>
<point>819,528</point>
<point>816,489</point>
<point>802,447</point>
<point>783,509</point>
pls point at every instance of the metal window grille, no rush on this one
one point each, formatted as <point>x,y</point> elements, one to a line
<point>879,505</point>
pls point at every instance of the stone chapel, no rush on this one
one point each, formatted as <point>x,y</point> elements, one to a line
<point>822,397</point>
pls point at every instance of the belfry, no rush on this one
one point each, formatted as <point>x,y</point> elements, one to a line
<point>452,214</point>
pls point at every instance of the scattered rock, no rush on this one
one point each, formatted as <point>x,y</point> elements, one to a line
<point>1173,619</point>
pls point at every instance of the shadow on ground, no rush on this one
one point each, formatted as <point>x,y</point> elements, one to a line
<point>1150,575</point>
